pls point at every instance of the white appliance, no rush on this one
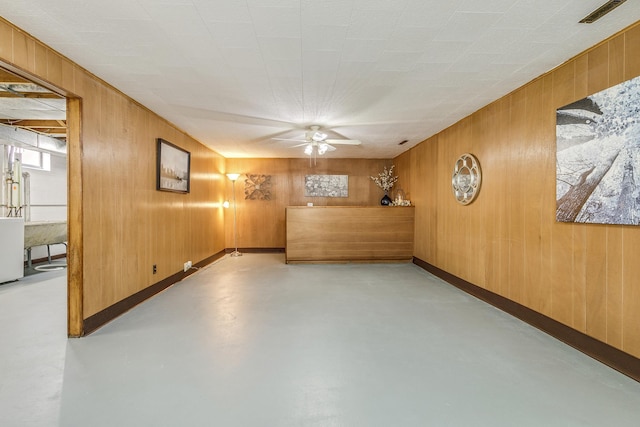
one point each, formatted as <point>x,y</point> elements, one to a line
<point>11,249</point>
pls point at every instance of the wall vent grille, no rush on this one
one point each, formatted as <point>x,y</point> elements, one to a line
<point>601,11</point>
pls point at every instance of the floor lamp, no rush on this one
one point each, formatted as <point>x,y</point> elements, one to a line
<point>233,177</point>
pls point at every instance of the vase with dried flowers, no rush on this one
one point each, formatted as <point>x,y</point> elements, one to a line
<point>385,181</point>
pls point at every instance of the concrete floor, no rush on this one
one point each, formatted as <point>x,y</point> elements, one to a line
<point>251,341</point>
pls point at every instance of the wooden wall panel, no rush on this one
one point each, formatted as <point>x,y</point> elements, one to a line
<point>6,40</point>
<point>54,68</point>
<point>488,135</point>
<point>535,154</point>
<point>448,253</point>
<point>560,251</point>
<point>631,57</point>
<point>616,60</point>
<point>517,195</point>
<point>447,232</point>
<point>631,292</point>
<point>494,171</point>
<point>596,290</point>
<point>420,188</point>
<point>583,275</point>
<point>23,52</point>
<point>40,61</point>
<point>547,160</point>
<point>614,304</point>
<point>123,225</point>
<point>579,295</point>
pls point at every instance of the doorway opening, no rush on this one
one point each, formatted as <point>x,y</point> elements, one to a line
<point>35,198</point>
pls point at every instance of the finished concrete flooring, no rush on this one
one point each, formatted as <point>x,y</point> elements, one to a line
<point>251,341</point>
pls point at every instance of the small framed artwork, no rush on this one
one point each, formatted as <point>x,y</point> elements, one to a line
<point>173,168</point>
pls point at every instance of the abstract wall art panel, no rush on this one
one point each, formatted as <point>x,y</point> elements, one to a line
<point>326,185</point>
<point>257,187</point>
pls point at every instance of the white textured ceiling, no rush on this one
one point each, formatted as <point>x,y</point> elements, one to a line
<point>236,73</point>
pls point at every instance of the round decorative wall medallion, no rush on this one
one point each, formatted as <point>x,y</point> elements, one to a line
<point>466,179</point>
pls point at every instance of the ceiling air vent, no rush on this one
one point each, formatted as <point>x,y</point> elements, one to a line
<point>601,11</point>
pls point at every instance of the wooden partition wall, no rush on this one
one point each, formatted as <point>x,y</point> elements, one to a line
<point>507,241</point>
<point>261,223</point>
<point>349,233</point>
<point>119,225</point>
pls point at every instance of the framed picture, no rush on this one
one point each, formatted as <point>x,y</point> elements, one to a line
<point>173,168</point>
<point>598,157</point>
<point>326,186</point>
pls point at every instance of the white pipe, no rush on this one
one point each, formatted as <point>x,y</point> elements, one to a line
<point>11,189</point>
<point>4,169</point>
<point>17,183</point>
<point>26,184</point>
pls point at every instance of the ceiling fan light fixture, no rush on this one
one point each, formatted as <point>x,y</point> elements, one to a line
<point>322,148</point>
<point>308,150</point>
<point>319,136</point>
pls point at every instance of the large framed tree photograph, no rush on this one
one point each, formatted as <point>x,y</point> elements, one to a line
<point>598,157</point>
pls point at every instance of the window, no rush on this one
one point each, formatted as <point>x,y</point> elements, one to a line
<point>35,159</point>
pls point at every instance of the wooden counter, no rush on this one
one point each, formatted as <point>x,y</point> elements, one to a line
<point>349,233</point>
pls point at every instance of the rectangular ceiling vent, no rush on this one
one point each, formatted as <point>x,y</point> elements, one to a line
<point>601,11</point>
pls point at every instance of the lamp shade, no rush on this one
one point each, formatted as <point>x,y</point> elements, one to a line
<point>233,176</point>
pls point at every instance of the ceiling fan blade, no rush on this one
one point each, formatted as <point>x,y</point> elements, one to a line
<point>269,138</point>
<point>299,145</point>
<point>344,141</point>
<point>330,147</point>
<point>290,139</point>
<point>223,116</point>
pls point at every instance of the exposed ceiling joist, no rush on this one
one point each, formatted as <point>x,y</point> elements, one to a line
<point>26,106</point>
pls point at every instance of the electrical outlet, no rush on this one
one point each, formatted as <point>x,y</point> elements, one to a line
<point>155,269</point>
<point>187,265</point>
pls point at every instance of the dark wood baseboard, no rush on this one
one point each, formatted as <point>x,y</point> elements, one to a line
<point>91,323</point>
<point>256,250</point>
<point>611,356</point>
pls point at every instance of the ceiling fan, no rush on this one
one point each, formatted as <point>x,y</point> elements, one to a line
<point>316,143</point>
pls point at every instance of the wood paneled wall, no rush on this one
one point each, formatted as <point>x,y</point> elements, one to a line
<point>507,241</point>
<point>261,223</point>
<point>119,224</point>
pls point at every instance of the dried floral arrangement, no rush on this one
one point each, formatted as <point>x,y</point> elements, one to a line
<point>385,179</point>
